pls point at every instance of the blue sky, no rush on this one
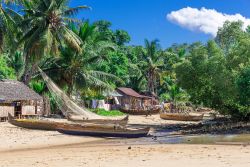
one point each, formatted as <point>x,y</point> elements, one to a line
<point>147,18</point>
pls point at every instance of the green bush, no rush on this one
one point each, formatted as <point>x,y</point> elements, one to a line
<point>103,112</point>
<point>243,84</point>
<point>6,72</point>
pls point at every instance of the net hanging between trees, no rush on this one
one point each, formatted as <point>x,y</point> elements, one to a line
<point>67,106</point>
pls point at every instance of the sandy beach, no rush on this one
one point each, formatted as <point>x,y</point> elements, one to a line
<point>137,156</point>
<point>17,138</point>
<point>21,147</point>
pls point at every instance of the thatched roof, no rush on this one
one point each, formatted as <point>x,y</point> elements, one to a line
<point>11,90</point>
<point>131,92</point>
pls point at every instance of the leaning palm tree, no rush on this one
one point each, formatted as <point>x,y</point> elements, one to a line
<point>152,63</point>
<point>44,26</point>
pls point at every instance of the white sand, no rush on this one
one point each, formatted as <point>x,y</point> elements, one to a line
<point>138,156</point>
<point>17,138</point>
<point>24,148</point>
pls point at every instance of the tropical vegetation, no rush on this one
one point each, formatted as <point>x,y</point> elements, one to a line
<point>88,58</point>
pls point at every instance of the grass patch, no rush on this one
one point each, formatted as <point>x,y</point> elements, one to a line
<point>111,113</point>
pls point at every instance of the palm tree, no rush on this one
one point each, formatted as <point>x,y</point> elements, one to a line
<point>153,61</point>
<point>8,29</point>
<point>44,27</point>
<point>76,70</point>
<point>15,61</point>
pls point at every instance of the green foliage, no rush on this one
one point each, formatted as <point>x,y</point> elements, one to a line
<point>87,59</point>
<point>77,70</point>
<point>16,61</point>
<point>175,94</point>
<point>53,103</point>
<point>6,72</point>
<point>212,74</point>
<point>112,113</point>
<point>243,84</point>
<point>121,37</point>
<point>37,86</point>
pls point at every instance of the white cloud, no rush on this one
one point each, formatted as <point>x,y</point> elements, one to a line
<point>204,20</point>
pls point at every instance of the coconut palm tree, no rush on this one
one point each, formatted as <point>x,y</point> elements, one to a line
<point>152,63</point>
<point>76,70</point>
<point>44,26</point>
<point>8,29</point>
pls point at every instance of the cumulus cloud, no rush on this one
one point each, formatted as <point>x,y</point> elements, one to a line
<point>203,20</point>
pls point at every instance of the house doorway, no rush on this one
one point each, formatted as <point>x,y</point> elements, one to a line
<point>18,108</point>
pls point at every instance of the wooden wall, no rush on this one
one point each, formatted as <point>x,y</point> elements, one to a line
<point>29,108</point>
<point>5,109</point>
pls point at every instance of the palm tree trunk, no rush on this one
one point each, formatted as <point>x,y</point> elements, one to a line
<point>151,82</point>
<point>70,87</point>
<point>28,73</point>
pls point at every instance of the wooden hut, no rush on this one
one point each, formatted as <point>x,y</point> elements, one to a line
<point>18,100</point>
<point>130,99</point>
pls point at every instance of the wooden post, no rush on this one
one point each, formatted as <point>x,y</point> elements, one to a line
<point>36,107</point>
<point>46,106</point>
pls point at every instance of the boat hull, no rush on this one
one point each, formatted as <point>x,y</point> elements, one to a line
<point>102,131</point>
<point>121,122</point>
<point>181,117</point>
<point>34,124</point>
<point>141,112</point>
<point>104,134</point>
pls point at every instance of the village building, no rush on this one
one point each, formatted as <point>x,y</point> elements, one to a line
<point>130,99</point>
<point>18,100</point>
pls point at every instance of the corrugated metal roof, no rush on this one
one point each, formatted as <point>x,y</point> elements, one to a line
<point>131,92</point>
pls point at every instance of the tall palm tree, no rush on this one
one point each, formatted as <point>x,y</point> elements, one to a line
<point>44,27</point>
<point>8,29</point>
<point>153,61</point>
<point>76,70</point>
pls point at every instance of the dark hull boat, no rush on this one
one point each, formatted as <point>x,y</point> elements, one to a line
<point>97,130</point>
<point>103,131</point>
<point>34,124</point>
<point>79,119</point>
<point>182,117</point>
<point>141,111</point>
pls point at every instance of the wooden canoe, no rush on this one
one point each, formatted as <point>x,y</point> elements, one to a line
<point>141,111</point>
<point>33,124</point>
<point>103,131</point>
<point>181,116</point>
<point>79,119</point>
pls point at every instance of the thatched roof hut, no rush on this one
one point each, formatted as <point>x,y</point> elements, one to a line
<point>11,90</point>
<point>18,99</point>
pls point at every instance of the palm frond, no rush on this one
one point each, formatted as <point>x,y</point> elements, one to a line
<point>72,39</point>
<point>74,11</point>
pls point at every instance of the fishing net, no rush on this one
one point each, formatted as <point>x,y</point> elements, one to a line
<point>67,106</point>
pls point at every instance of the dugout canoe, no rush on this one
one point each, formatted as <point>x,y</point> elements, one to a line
<point>103,131</point>
<point>181,116</point>
<point>141,111</point>
<point>79,119</point>
<point>34,124</point>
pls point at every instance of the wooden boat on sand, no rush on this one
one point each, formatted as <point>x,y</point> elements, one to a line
<point>79,119</point>
<point>141,111</point>
<point>103,131</point>
<point>97,130</point>
<point>181,116</point>
<point>33,124</point>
